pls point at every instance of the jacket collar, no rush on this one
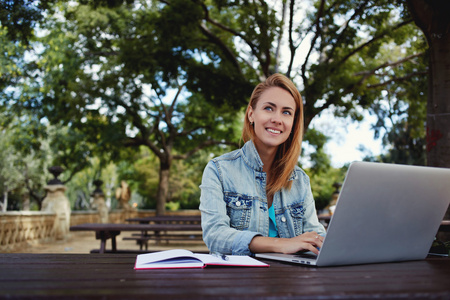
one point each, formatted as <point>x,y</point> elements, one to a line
<point>251,157</point>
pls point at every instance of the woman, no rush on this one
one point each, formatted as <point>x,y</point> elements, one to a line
<point>256,199</point>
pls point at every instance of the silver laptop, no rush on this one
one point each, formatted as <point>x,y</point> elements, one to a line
<point>384,213</point>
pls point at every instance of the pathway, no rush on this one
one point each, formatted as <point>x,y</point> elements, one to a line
<point>84,242</point>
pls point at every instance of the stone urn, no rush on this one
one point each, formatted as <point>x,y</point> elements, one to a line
<point>99,203</point>
<point>57,202</point>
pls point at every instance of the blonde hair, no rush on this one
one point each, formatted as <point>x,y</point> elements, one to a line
<point>288,153</point>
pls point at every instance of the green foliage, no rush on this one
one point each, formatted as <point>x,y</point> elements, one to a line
<point>172,75</point>
<point>322,175</point>
<point>323,184</point>
<point>142,177</point>
<point>349,37</point>
<point>10,176</point>
<point>319,159</point>
<point>19,17</point>
<point>402,112</point>
<point>23,171</point>
<point>81,186</point>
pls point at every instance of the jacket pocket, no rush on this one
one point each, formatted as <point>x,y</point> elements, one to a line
<point>239,211</point>
<point>297,213</point>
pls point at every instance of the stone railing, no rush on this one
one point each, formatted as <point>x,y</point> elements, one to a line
<point>21,228</point>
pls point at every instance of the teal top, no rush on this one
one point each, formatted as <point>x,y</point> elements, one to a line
<point>273,231</point>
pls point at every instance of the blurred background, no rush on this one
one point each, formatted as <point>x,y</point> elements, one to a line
<point>147,92</point>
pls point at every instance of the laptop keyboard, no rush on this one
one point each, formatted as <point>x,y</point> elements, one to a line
<point>305,255</point>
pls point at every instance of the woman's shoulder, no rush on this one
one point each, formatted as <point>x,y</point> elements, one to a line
<point>233,155</point>
<point>300,174</point>
<point>223,164</point>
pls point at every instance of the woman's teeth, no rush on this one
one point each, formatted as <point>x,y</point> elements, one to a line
<point>273,131</point>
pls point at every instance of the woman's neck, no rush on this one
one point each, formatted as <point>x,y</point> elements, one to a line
<point>267,156</point>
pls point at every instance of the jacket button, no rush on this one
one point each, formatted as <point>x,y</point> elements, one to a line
<point>283,219</point>
<point>238,203</point>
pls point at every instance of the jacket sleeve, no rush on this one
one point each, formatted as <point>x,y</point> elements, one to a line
<point>218,235</point>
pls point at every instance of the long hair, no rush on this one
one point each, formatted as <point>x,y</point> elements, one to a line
<point>288,153</point>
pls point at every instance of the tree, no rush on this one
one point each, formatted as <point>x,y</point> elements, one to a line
<point>18,20</point>
<point>121,91</point>
<point>403,124</point>
<point>20,17</point>
<point>142,176</point>
<point>10,177</point>
<point>431,17</point>
<point>168,74</point>
<point>342,40</point>
<point>402,112</point>
<point>22,171</point>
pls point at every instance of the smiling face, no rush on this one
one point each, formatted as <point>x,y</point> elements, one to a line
<point>273,118</point>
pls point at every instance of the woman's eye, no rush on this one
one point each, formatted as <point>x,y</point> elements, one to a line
<point>268,108</point>
<point>287,113</point>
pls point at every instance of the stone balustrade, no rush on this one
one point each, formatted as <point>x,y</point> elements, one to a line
<point>18,228</point>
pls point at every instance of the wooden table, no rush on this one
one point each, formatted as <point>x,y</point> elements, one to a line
<point>109,276</point>
<point>103,232</point>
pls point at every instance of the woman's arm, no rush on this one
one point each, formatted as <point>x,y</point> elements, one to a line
<point>309,241</point>
<point>217,233</point>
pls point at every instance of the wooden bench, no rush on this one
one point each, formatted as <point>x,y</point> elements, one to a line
<point>143,239</point>
<point>103,232</point>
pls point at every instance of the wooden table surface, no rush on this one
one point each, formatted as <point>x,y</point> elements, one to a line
<point>111,276</point>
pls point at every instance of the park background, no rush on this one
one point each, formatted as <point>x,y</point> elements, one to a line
<point>147,92</point>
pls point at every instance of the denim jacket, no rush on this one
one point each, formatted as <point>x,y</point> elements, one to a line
<point>233,203</point>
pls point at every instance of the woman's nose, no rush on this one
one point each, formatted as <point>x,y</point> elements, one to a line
<point>276,119</point>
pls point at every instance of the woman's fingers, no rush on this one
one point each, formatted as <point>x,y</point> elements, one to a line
<point>311,248</point>
<point>309,241</point>
<point>314,239</point>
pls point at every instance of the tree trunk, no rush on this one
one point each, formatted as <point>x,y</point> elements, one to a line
<point>5,201</point>
<point>438,109</point>
<point>432,17</point>
<point>163,187</point>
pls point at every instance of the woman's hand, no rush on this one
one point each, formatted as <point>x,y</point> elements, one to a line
<point>308,241</point>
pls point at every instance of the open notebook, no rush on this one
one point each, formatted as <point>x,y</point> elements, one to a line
<point>384,213</point>
<point>180,258</point>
